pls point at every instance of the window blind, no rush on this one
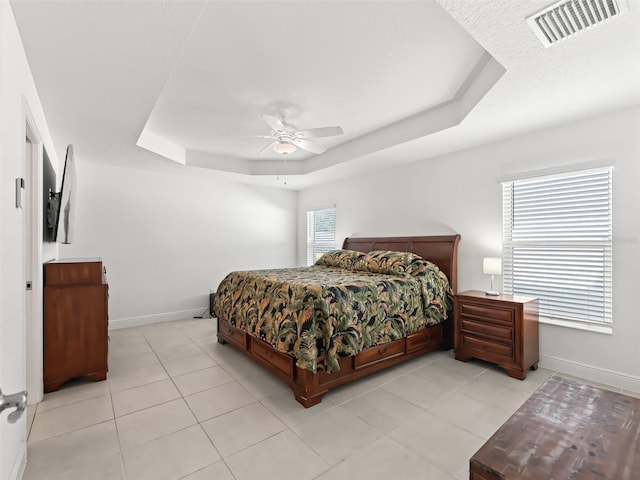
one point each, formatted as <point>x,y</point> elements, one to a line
<point>557,245</point>
<point>321,233</point>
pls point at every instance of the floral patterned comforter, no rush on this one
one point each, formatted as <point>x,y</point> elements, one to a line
<point>345,303</point>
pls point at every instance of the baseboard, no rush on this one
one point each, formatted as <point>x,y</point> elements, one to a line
<point>117,323</point>
<point>589,372</point>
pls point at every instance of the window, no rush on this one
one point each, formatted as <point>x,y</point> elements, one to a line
<point>321,233</point>
<point>557,239</point>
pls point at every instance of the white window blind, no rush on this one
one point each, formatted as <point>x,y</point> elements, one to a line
<point>321,233</point>
<point>557,240</point>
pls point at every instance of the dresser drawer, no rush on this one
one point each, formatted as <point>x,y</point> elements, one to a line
<point>370,356</point>
<point>479,345</point>
<point>488,329</point>
<point>489,314</point>
<point>281,361</point>
<point>233,334</point>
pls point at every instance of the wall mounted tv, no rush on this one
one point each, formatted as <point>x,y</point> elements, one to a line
<point>48,186</point>
<point>61,205</point>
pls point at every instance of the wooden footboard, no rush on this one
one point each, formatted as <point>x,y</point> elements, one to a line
<point>309,387</point>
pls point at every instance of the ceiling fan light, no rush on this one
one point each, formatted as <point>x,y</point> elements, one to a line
<point>284,148</point>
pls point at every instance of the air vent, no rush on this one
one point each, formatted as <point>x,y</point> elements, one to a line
<point>566,18</point>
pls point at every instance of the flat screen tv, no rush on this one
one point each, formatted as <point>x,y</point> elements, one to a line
<point>61,209</point>
<point>48,188</point>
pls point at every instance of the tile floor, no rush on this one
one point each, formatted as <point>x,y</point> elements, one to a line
<point>178,405</point>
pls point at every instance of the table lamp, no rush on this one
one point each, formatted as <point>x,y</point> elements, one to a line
<point>492,266</point>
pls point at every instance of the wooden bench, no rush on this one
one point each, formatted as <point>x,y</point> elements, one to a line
<point>565,431</point>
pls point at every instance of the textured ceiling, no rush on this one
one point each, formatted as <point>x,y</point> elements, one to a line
<point>189,80</point>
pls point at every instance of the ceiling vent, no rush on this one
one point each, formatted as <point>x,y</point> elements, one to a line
<point>566,18</point>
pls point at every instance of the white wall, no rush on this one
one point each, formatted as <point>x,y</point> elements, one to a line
<point>19,102</point>
<point>168,236</point>
<point>461,192</point>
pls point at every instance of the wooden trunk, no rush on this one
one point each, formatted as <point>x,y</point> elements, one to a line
<point>565,430</point>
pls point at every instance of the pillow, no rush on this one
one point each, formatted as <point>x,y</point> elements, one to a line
<point>395,263</point>
<point>419,267</point>
<point>387,262</point>
<point>340,258</point>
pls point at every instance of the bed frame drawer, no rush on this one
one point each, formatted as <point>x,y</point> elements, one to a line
<point>372,355</point>
<point>424,339</point>
<point>233,334</point>
<point>266,352</point>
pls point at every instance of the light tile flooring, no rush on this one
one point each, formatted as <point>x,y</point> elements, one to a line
<point>178,405</point>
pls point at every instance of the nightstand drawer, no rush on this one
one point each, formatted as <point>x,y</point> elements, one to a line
<point>479,345</point>
<point>490,330</point>
<point>486,313</point>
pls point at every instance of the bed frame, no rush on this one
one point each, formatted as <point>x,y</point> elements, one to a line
<point>309,387</point>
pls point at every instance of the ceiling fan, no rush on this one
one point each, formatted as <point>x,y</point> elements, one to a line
<point>287,138</point>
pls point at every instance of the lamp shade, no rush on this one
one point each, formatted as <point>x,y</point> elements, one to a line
<point>492,265</point>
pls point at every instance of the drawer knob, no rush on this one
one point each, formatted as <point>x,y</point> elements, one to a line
<point>383,351</point>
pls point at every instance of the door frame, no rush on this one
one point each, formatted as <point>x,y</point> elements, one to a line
<point>33,158</point>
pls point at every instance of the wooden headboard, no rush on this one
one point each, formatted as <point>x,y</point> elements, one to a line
<point>439,249</point>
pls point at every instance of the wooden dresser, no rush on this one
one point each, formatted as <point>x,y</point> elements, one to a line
<point>502,329</point>
<point>565,430</point>
<point>75,321</point>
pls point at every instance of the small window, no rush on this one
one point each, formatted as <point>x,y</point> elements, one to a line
<point>321,233</point>
<point>557,240</point>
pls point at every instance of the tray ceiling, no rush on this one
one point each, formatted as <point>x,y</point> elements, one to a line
<point>151,83</point>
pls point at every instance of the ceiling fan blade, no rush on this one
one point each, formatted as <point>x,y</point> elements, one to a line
<point>309,146</point>
<point>320,132</point>
<point>274,122</point>
<point>268,146</point>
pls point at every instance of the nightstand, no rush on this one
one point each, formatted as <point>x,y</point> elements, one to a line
<point>502,329</point>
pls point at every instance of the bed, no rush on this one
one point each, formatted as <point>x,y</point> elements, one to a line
<point>374,303</point>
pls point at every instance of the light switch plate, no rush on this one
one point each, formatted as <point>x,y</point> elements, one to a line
<point>19,192</point>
